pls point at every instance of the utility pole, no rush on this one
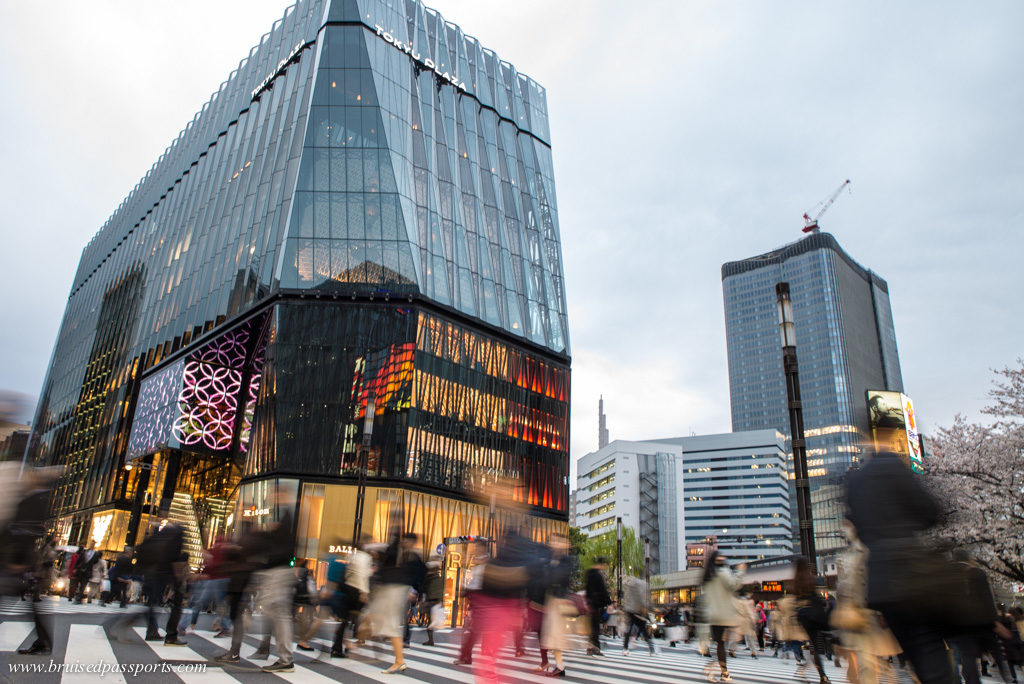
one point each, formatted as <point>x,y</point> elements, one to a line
<point>796,424</point>
<point>647,571</point>
<point>618,561</point>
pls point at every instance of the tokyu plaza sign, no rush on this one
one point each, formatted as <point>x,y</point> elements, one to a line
<point>425,63</point>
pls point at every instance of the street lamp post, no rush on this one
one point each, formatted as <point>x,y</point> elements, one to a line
<point>647,568</point>
<point>357,528</point>
<point>796,423</point>
<point>618,561</point>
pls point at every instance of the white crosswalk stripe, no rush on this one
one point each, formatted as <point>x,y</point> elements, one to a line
<point>12,634</point>
<point>86,647</point>
<point>88,643</point>
<point>12,606</point>
<point>180,653</point>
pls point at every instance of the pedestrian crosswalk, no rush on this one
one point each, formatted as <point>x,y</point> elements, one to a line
<point>78,646</point>
<point>12,605</point>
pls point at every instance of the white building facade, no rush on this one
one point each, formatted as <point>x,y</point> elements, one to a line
<point>736,489</point>
<point>641,482</point>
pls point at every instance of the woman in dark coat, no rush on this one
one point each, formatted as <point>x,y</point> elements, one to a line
<point>890,507</point>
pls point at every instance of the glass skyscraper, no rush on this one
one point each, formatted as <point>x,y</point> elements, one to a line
<point>361,220</point>
<point>845,342</point>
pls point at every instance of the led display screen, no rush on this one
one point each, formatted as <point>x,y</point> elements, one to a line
<point>893,425</point>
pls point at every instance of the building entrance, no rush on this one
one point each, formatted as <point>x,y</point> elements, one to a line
<point>461,556</point>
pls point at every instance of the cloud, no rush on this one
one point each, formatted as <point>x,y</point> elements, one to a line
<point>684,135</point>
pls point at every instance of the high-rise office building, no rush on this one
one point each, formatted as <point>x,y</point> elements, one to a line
<point>642,483</point>
<point>348,261</point>
<point>602,426</point>
<point>735,495</point>
<point>845,342</point>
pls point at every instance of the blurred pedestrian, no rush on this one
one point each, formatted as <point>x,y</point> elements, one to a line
<point>417,571</point>
<point>984,640</point>
<point>348,588</point>
<point>163,571</point>
<point>614,620</point>
<point>598,599</point>
<point>858,628</point>
<point>761,624</point>
<point>97,577</point>
<point>790,634</point>
<point>557,607</point>
<point>277,590</point>
<point>473,579</point>
<point>43,571</point>
<point>746,631</point>
<point>718,592</point>
<point>889,507</point>
<point>673,625</point>
<point>240,563</point>
<point>210,588</point>
<point>72,561</point>
<point>432,594</point>
<point>635,595</point>
<point>389,603</point>
<point>20,544</point>
<point>307,608</point>
<point>498,605</point>
<point>88,557</point>
<point>1013,648</point>
<point>811,612</point>
<point>121,577</point>
<point>532,620</point>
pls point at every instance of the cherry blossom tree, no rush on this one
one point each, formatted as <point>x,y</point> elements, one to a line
<point>978,470</point>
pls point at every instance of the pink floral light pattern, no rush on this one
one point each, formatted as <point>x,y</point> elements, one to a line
<point>208,404</point>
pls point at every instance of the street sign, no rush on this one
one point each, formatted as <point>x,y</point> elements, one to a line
<point>440,549</point>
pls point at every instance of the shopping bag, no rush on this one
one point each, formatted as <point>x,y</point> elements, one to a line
<point>437,616</point>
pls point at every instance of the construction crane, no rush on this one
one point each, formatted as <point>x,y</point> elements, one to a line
<point>811,223</point>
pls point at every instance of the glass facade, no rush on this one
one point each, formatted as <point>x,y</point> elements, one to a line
<point>364,209</point>
<point>846,344</point>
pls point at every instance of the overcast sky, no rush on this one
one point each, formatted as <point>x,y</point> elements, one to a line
<point>685,134</point>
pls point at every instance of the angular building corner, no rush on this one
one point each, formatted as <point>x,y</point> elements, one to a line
<point>361,220</point>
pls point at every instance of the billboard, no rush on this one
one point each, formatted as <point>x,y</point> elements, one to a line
<point>893,424</point>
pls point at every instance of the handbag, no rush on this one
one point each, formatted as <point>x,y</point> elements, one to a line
<point>579,604</point>
<point>849,618</point>
<point>437,616</point>
<point>503,577</point>
<point>814,614</point>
